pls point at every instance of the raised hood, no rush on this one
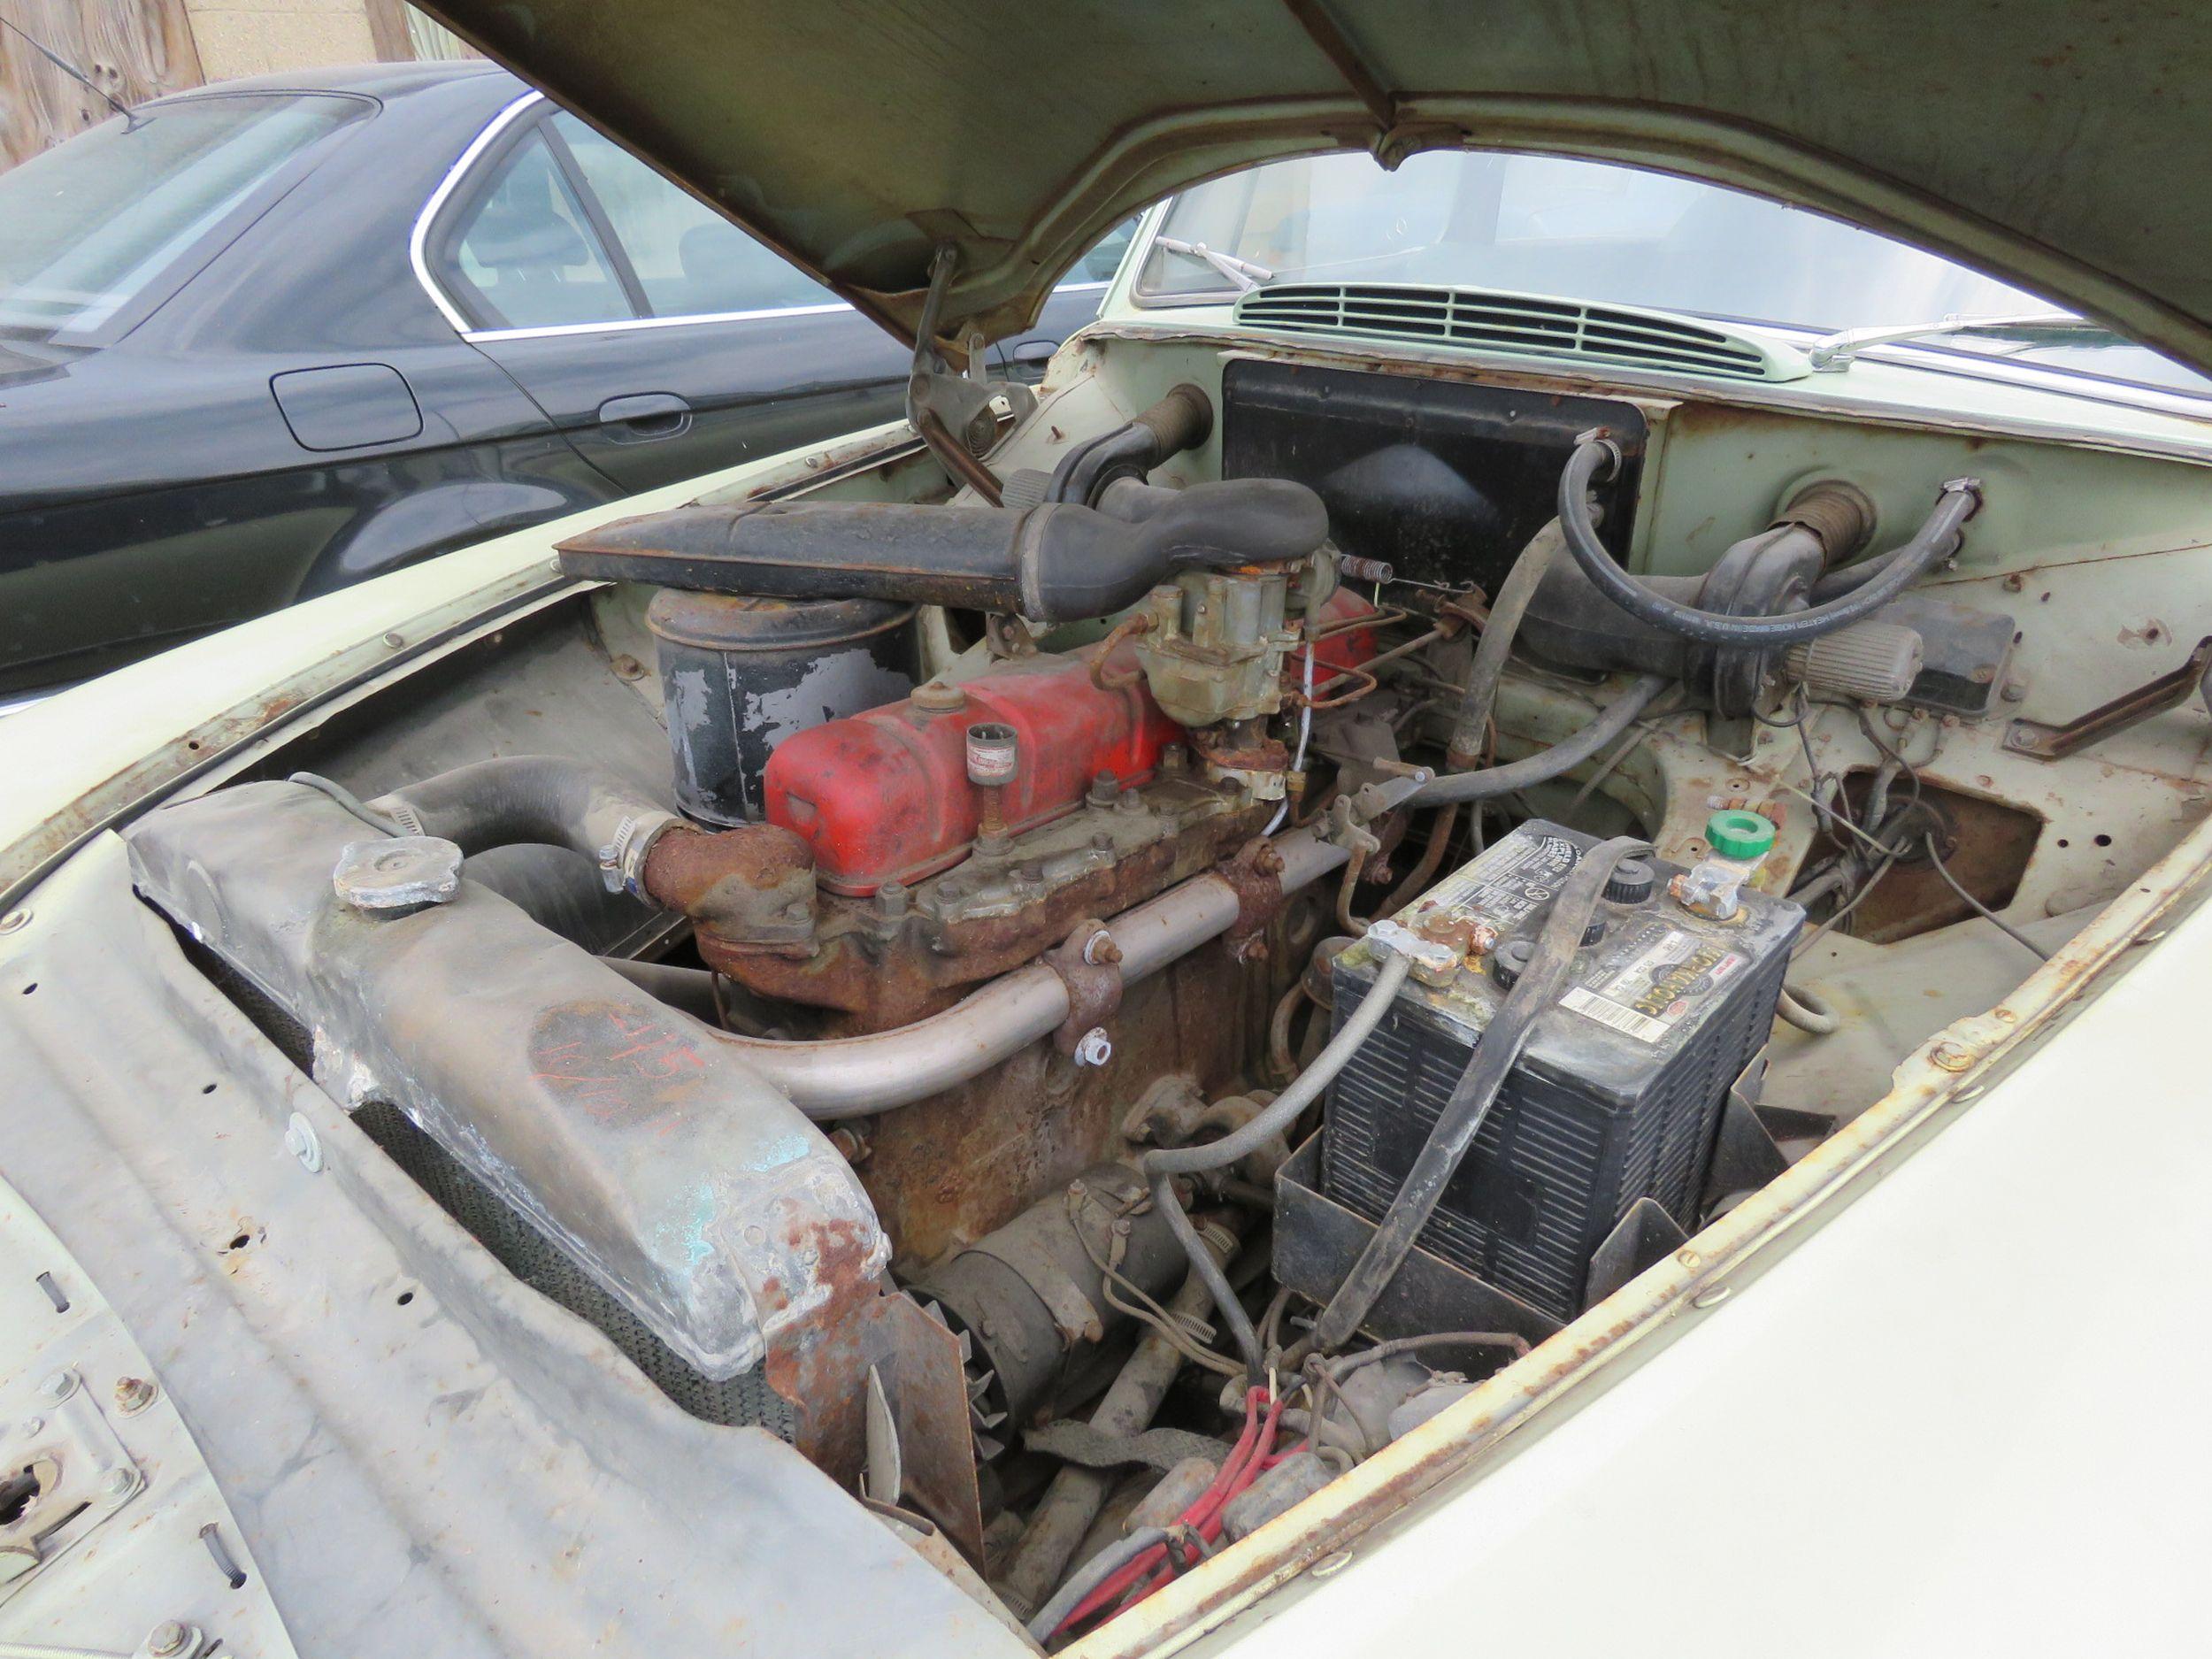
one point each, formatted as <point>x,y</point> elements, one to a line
<point>2053,141</point>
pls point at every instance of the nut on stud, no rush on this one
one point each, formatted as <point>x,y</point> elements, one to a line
<point>1094,1048</point>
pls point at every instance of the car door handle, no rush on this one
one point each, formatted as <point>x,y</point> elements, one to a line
<point>644,416</point>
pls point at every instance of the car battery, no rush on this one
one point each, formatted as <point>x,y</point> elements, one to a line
<point>1619,1093</point>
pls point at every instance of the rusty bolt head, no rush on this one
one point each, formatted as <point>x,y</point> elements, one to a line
<point>1950,1058</point>
<point>1100,947</point>
<point>167,1639</point>
<point>628,667</point>
<point>132,1395</point>
<point>1268,862</point>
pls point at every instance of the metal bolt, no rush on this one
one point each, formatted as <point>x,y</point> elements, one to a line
<point>300,1140</point>
<point>167,1639</point>
<point>1712,1295</point>
<point>628,667</point>
<point>132,1395</point>
<point>1095,1048</point>
<point>394,639</point>
<point>33,1427</point>
<point>15,921</point>
<point>1101,947</point>
<point>1328,1566</point>
<point>60,1386</point>
<point>1951,1059</point>
<point>119,1483</point>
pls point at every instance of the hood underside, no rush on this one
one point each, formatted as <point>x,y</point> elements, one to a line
<point>2041,139</point>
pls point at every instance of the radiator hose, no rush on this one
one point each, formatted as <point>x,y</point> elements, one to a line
<point>1594,459</point>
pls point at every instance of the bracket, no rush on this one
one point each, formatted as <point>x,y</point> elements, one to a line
<point>2169,690</point>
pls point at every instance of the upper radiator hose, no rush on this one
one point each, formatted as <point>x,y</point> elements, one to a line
<point>1054,563</point>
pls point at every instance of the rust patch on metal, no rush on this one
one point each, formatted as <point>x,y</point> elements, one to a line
<point>880,976</point>
<point>946,1170</point>
<point>742,889</point>
<point>1254,875</point>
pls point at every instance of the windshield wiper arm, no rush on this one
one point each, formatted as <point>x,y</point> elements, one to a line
<point>1242,273</point>
<point>1835,351</point>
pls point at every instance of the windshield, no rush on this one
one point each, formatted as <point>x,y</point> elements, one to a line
<point>1594,231</point>
<point>91,223</point>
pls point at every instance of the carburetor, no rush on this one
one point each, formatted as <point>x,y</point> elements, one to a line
<point>1214,641</point>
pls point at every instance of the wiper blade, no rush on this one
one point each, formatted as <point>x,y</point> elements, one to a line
<point>1835,351</point>
<point>1242,273</point>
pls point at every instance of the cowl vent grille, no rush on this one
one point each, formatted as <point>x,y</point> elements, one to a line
<point>1524,325</point>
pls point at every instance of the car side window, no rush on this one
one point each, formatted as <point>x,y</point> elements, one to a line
<point>525,252</point>
<point>1101,262</point>
<point>689,260</point>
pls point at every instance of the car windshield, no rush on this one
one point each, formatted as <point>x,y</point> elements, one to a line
<point>86,226</point>
<point>1595,231</point>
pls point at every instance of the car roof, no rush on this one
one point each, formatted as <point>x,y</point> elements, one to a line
<point>376,80</point>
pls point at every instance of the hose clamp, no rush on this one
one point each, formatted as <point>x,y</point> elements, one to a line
<point>1614,457</point>
<point>622,859</point>
<point>1970,487</point>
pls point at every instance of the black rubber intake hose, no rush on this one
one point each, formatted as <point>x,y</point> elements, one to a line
<point>1547,763</point>
<point>1936,540</point>
<point>528,800</point>
<point>1054,563</point>
<point>1477,1092</point>
<point>1181,420</point>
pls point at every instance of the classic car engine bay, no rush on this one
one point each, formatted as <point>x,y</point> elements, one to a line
<point>1090,1014</point>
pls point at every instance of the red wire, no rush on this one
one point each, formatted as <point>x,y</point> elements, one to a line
<point>1203,1509</point>
<point>1252,1455</point>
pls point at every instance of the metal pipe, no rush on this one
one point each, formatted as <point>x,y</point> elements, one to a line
<point>857,1077</point>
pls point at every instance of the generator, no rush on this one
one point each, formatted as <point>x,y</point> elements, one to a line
<point>1619,1093</point>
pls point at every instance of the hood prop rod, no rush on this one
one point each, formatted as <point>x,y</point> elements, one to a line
<point>934,392</point>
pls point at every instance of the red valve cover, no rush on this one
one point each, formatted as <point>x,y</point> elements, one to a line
<point>885,796</point>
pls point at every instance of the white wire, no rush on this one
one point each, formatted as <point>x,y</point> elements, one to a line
<point>1305,725</point>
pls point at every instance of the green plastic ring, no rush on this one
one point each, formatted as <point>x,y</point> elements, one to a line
<point>1739,835</point>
